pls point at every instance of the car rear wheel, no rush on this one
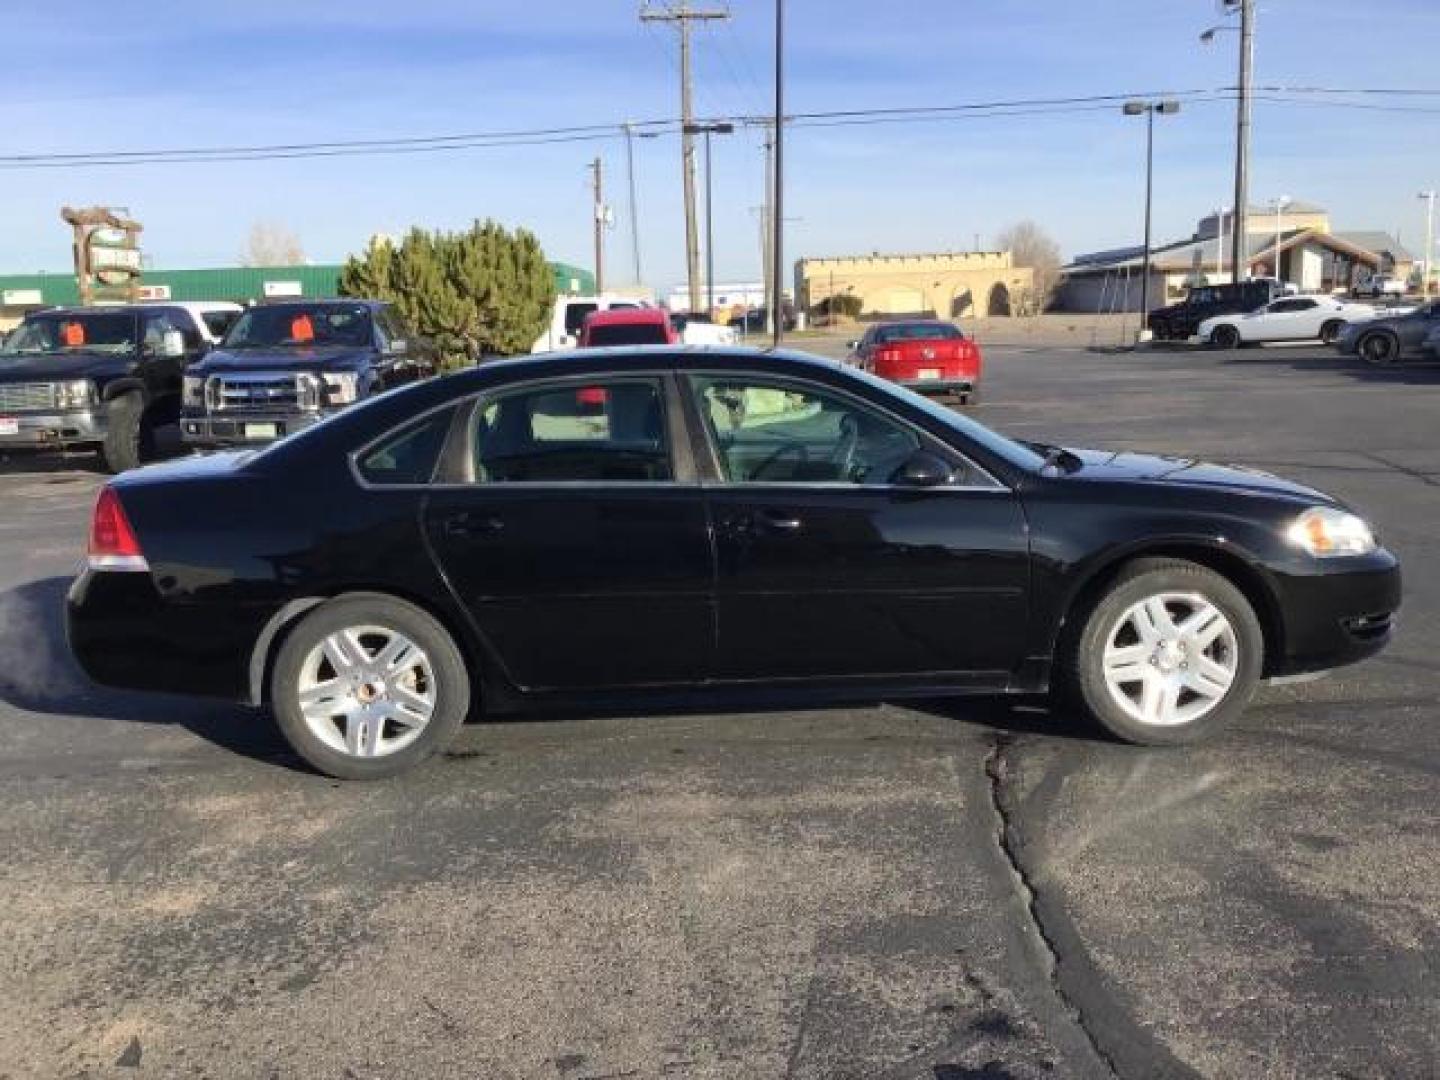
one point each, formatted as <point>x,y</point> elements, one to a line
<point>367,686</point>
<point>1379,348</point>
<point>1170,653</point>
<point>1225,337</point>
<point>129,439</point>
<point>1331,331</point>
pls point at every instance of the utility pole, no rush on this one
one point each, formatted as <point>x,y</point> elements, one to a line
<point>767,234</point>
<point>682,15</point>
<point>634,211</point>
<point>1429,197</point>
<point>777,207</point>
<point>598,181</point>
<point>1242,135</point>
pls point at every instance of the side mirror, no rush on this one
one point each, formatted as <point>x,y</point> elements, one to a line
<point>172,344</point>
<point>923,469</point>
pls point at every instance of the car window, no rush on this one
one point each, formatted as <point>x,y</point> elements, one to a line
<point>410,455</point>
<point>610,430</point>
<point>575,316</point>
<point>916,332</point>
<point>158,323</point>
<point>777,432</point>
<point>301,326</point>
<point>79,331</point>
<point>627,334</point>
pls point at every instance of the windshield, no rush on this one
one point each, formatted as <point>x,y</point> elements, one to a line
<point>917,332</point>
<point>67,332</point>
<point>628,334</point>
<point>301,326</point>
<point>1021,455</point>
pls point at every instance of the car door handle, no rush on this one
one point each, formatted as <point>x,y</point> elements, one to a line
<point>473,524</point>
<point>779,521</point>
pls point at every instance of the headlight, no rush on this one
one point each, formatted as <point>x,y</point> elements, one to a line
<point>75,394</point>
<point>341,387</point>
<point>1325,532</point>
<point>194,392</point>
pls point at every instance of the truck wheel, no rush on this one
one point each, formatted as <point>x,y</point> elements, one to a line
<point>129,440</point>
<point>367,686</point>
<point>1225,337</point>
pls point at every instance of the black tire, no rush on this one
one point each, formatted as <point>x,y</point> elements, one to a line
<point>1331,331</point>
<point>1225,336</point>
<point>1081,676</point>
<point>451,690</point>
<point>1379,349</point>
<point>970,398</point>
<point>129,439</point>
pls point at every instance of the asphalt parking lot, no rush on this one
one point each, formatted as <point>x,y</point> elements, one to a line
<point>971,889</point>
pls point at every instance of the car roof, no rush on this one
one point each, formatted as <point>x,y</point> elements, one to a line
<point>621,358</point>
<point>627,317</point>
<point>324,301</point>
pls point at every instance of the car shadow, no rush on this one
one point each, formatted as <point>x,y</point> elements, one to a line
<point>38,675</point>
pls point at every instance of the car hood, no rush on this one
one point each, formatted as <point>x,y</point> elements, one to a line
<point>323,359</point>
<point>1104,465</point>
<point>46,367</point>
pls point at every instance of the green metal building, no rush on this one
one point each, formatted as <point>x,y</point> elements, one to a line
<point>20,293</point>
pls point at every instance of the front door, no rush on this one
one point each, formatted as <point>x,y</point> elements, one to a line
<point>578,547</point>
<point>826,569</point>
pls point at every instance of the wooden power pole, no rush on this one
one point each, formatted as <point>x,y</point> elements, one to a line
<point>682,15</point>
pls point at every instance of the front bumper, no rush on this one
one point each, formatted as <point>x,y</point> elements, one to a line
<point>52,431</point>
<point>1339,615</point>
<point>939,387</point>
<point>243,429</point>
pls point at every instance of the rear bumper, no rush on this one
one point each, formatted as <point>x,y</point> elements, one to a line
<point>249,429</point>
<point>54,431</point>
<point>124,634</point>
<point>1340,616</point>
<point>939,386</point>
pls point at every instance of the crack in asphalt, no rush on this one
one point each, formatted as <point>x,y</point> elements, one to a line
<point>1122,1046</point>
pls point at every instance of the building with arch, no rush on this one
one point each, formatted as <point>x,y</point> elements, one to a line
<point>946,285</point>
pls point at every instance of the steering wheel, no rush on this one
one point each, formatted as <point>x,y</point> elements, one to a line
<point>848,447</point>
<point>797,448</point>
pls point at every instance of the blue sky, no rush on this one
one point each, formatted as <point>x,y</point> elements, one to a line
<point>178,72</point>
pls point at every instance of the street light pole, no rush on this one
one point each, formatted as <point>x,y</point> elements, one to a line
<point>707,130</point>
<point>1148,109</point>
<point>1280,204</point>
<point>634,212</point>
<point>1429,197</point>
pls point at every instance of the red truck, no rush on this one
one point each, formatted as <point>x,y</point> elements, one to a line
<point>926,355</point>
<point>628,326</point>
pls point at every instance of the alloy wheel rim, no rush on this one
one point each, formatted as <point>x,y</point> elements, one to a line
<point>367,691</point>
<point>1170,659</point>
<point>1377,349</point>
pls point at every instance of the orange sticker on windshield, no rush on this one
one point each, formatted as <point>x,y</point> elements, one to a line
<point>72,334</point>
<point>302,329</point>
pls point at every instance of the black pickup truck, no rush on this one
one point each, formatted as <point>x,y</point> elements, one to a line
<point>1178,322</point>
<point>97,378</point>
<point>284,366</point>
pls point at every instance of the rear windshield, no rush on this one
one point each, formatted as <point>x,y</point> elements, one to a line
<point>628,334</point>
<point>918,332</point>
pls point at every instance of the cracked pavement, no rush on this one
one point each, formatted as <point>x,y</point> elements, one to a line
<point>962,889</point>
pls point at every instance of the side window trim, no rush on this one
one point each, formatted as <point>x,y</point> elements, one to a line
<point>710,454</point>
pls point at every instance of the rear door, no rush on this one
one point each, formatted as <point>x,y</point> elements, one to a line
<point>825,569</point>
<point>576,537</point>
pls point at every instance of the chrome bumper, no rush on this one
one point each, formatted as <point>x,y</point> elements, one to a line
<point>247,429</point>
<point>40,431</point>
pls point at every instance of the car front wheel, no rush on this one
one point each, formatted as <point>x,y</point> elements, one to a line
<point>367,686</point>
<point>1170,653</point>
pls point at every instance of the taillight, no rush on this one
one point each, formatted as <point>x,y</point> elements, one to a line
<point>112,541</point>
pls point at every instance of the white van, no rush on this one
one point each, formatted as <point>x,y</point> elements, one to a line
<point>569,316</point>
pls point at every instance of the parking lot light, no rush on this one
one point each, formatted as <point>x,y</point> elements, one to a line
<point>1148,109</point>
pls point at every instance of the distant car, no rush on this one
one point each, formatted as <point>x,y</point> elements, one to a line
<point>756,320</point>
<point>634,326</point>
<point>928,356</point>
<point>285,366</point>
<point>1179,322</point>
<point>726,521</point>
<point>1391,338</point>
<point>568,317</point>
<point>97,378</point>
<point>702,330</point>
<point>1295,318</point>
<point>1380,285</point>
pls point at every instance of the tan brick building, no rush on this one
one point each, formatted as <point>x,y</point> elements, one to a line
<point>948,285</point>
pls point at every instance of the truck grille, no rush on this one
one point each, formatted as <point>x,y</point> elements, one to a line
<point>262,393</point>
<point>26,397</point>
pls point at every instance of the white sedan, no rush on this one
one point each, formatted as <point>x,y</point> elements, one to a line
<point>1293,318</point>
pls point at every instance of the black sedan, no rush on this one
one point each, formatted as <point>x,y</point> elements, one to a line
<point>671,526</point>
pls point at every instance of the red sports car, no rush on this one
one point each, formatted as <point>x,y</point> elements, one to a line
<point>926,355</point>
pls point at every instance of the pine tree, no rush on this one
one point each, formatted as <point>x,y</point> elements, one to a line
<point>481,292</point>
